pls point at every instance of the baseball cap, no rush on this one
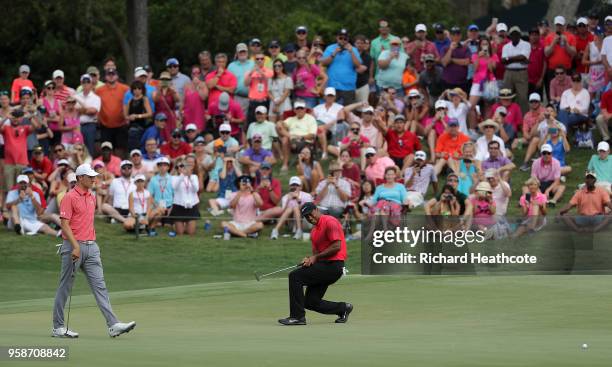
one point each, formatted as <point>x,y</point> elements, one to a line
<point>257,137</point>
<point>58,74</point>
<point>289,47</point>
<point>420,28</point>
<point>135,151</point>
<point>49,82</point>
<point>599,31</point>
<point>420,155</point>
<point>27,171</point>
<point>295,180</point>
<point>440,104</point>
<point>342,32</point>
<point>438,27</point>
<point>261,109</point>
<point>370,150</point>
<point>543,22</point>
<point>427,57</point>
<point>501,110</point>
<point>368,109</point>
<point>161,116</point>
<point>191,127</point>
<point>63,162</point>
<point>85,170</point>
<point>535,97</point>
<point>399,118</point>
<point>125,162</point>
<point>85,77</point>
<point>301,28</point>
<point>453,122</point>
<point>241,47</point>
<point>582,20</point>
<point>329,91</point>
<point>172,61</point>
<point>307,209</point>
<point>608,19</point>
<point>266,165</point>
<point>93,70</point>
<point>24,69</point>
<point>140,71</point>
<point>274,43</point>
<point>254,41</point>
<point>501,27</point>
<point>139,177</point>
<point>225,127</point>
<point>17,112</point>
<point>23,178</point>
<point>455,30</point>
<point>26,90</point>
<point>224,101</point>
<point>473,27</point>
<point>452,174</point>
<point>414,93</point>
<point>546,148</point>
<point>586,174</point>
<point>71,177</point>
<point>534,30</point>
<point>245,178</point>
<point>164,75</point>
<point>490,173</point>
<point>176,132</point>
<point>515,29</point>
<point>97,164</point>
<point>106,144</point>
<point>198,140</point>
<point>383,23</point>
<point>299,104</point>
<point>163,160</point>
<point>603,145</point>
<point>110,71</point>
<point>559,19</point>
<point>484,186</point>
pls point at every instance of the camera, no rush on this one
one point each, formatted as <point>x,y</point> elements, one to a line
<point>448,197</point>
<point>42,110</point>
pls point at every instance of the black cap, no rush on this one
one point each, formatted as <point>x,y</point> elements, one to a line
<point>289,47</point>
<point>342,32</point>
<point>274,43</point>
<point>438,27</point>
<point>455,30</point>
<point>244,178</point>
<point>176,132</point>
<point>307,208</point>
<point>543,22</point>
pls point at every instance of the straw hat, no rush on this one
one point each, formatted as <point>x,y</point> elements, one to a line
<point>488,122</point>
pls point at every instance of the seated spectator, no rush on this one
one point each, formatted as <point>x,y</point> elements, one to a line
<point>604,119</point>
<point>489,129</point>
<point>501,192</point>
<point>591,202</point>
<point>502,166</point>
<point>101,184</point>
<point>601,164</point>
<point>269,189</point>
<point>354,142</point>
<point>227,175</point>
<point>255,155</point>
<point>548,172</point>
<point>185,212</point>
<point>329,116</point>
<point>191,133</point>
<point>333,192</point>
<point>205,161</point>
<point>117,205</point>
<point>25,207</point>
<point>218,157</point>
<point>79,155</point>
<point>363,208</point>
<point>557,139</point>
<point>484,208</point>
<point>417,178</point>
<point>389,196</point>
<point>513,117</point>
<point>366,121</point>
<point>265,128</point>
<point>155,131</point>
<point>150,157</point>
<point>160,187</point>
<point>449,144</point>
<point>467,168</point>
<point>465,207</point>
<point>305,79</point>
<point>141,206</point>
<point>296,132</point>
<point>244,203</point>
<point>531,120</point>
<point>559,84</point>
<point>549,121</point>
<point>290,204</point>
<point>45,218</point>
<point>41,165</point>
<point>376,165</point>
<point>175,148</point>
<point>575,103</point>
<point>448,204</point>
<point>416,110</point>
<point>227,111</point>
<point>58,186</point>
<point>533,206</point>
<point>226,140</point>
<point>112,163</point>
<point>351,173</point>
<point>390,101</point>
<point>308,170</point>
<point>410,77</point>
<point>401,143</point>
<point>138,167</point>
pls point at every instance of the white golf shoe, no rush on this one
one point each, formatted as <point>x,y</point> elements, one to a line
<point>274,235</point>
<point>62,332</point>
<point>121,328</point>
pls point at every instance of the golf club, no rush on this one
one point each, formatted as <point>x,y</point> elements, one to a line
<point>70,297</point>
<point>260,276</point>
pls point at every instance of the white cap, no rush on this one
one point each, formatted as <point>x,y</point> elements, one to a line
<point>370,150</point>
<point>501,110</point>
<point>420,28</point>
<point>163,160</point>
<point>63,161</point>
<point>135,151</point>
<point>125,162</point>
<point>140,71</point>
<point>191,127</point>
<point>559,19</point>
<point>24,69</point>
<point>295,180</point>
<point>582,20</point>
<point>546,148</point>
<point>367,109</point>
<point>261,109</point>
<point>85,170</point>
<point>140,177</point>
<point>298,104</point>
<point>106,144</point>
<point>491,172</point>
<point>58,74</point>
<point>225,127</point>
<point>608,18</point>
<point>441,104</point>
<point>71,177</point>
<point>603,145</point>
<point>23,178</point>
<point>502,27</point>
<point>535,97</point>
<point>420,155</point>
<point>85,77</point>
<point>414,93</point>
<point>329,91</point>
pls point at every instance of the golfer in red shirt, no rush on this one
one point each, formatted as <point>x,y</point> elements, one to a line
<point>318,271</point>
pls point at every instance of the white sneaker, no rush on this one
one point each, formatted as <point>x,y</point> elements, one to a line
<point>62,332</point>
<point>216,212</point>
<point>563,179</point>
<point>227,236</point>
<point>298,235</point>
<point>274,234</point>
<point>121,328</point>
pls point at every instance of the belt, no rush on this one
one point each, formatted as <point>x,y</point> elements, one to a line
<point>89,242</point>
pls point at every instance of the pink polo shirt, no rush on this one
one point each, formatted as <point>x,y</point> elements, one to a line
<point>78,207</point>
<point>376,171</point>
<point>546,172</point>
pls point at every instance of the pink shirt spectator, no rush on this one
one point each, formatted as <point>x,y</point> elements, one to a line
<point>483,214</point>
<point>438,127</point>
<point>539,199</point>
<point>532,119</point>
<point>558,85</point>
<point>304,79</point>
<point>546,171</point>
<point>113,165</point>
<point>78,207</point>
<point>514,116</point>
<point>427,47</point>
<point>194,110</point>
<point>227,80</point>
<point>245,211</point>
<point>376,171</point>
<point>234,112</point>
<point>482,72</point>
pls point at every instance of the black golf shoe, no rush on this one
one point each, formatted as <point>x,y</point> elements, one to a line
<point>344,316</point>
<point>291,321</point>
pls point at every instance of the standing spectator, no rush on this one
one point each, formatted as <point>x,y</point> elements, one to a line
<point>184,210</point>
<point>141,75</point>
<point>176,148</point>
<point>575,103</point>
<point>583,38</point>
<point>333,192</point>
<point>89,105</point>
<point>290,204</point>
<point>376,165</point>
<point>305,79</point>
<point>178,79</point>
<point>441,37</point>
<point>343,63</point>
<point>515,57</point>
<point>280,87</point>
<point>378,44</point>
<point>291,63</point>
<point>62,91</point>
<point>222,80</point>
<point>591,202</point>
<point>15,136</point>
<point>53,107</point>
<point>25,206</point>
<point>430,79</point>
<point>240,67</point>
<point>592,61</point>
<point>257,81</point>
<point>455,59</point>
<point>137,112</point>
<point>70,126</point>
<point>391,64</point>
<point>401,143</point>
<point>227,111</point>
<point>484,63</point>
<point>363,78</point>
<point>560,48</point>
<point>601,164</point>
<point>111,161</point>
<point>421,46</point>
<point>301,37</point>
<point>244,204</point>
<point>274,48</point>
<point>448,145</point>
<point>193,108</point>
<point>160,187</point>
<point>548,172</point>
<point>417,178</point>
<point>21,81</point>
<point>536,69</point>
<point>113,125</point>
<point>117,205</point>
<point>206,64</point>
<point>166,100</point>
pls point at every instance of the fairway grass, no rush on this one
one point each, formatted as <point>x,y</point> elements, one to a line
<point>398,321</point>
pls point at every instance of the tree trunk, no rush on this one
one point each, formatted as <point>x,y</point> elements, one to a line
<point>138,32</point>
<point>566,8</point>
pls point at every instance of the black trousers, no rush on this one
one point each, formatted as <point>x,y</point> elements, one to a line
<point>316,278</point>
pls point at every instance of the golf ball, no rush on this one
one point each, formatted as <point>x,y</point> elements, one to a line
<point>585,346</point>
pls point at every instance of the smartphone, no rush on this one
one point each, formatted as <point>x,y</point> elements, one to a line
<point>528,197</point>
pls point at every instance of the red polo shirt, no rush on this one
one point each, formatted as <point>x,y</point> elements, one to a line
<point>44,166</point>
<point>265,194</point>
<point>400,146</point>
<point>182,149</point>
<point>559,56</point>
<point>581,47</point>
<point>535,69</point>
<point>606,101</point>
<point>15,147</point>
<point>327,231</point>
<point>78,207</point>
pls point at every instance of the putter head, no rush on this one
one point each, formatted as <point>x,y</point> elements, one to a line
<point>256,276</point>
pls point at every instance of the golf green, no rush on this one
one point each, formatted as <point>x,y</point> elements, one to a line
<point>397,321</point>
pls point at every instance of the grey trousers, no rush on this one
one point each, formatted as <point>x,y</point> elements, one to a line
<point>91,264</point>
<point>518,81</point>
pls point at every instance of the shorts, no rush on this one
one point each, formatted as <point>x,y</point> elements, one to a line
<point>223,203</point>
<point>589,220</point>
<point>123,212</point>
<point>476,90</point>
<point>242,226</point>
<point>398,161</point>
<point>541,222</point>
<point>179,213</point>
<point>31,227</point>
<point>544,185</point>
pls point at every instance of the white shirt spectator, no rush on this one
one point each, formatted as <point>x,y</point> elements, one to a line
<point>141,201</point>
<point>328,116</point>
<point>186,190</point>
<point>580,101</point>
<point>543,128</point>
<point>482,147</point>
<point>460,113</point>
<point>421,182</point>
<point>500,199</point>
<point>119,189</point>
<point>522,48</point>
<point>606,49</point>
<point>332,199</point>
<point>91,100</point>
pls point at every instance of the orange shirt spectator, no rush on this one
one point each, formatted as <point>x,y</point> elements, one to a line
<point>409,78</point>
<point>20,82</point>
<point>451,145</point>
<point>258,87</point>
<point>559,55</point>
<point>590,202</point>
<point>111,111</point>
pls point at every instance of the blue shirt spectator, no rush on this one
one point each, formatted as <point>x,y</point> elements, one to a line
<point>239,68</point>
<point>160,188</point>
<point>396,194</point>
<point>27,210</point>
<point>341,72</point>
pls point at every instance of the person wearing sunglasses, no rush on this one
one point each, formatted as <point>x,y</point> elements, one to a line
<point>301,37</point>
<point>175,148</point>
<point>257,81</point>
<point>343,63</point>
<point>574,105</point>
<point>21,81</point>
<point>547,170</point>
<point>559,84</point>
<point>241,65</point>
<point>222,80</point>
<point>305,80</point>
<point>178,79</point>
<point>280,86</point>
<point>274,49</point>
<point>15,137</point>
